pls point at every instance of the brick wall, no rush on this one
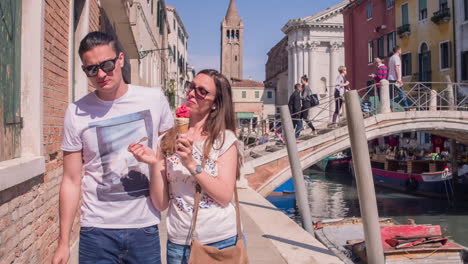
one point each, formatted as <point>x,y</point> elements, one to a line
<point>29,215</point>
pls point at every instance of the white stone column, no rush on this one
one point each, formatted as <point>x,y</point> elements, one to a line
<point>306,59</point>
<point>290,71</point>
<point>334,46</point>
<point>313,80</point>
<point>295,51</point>
<point>300,62</point>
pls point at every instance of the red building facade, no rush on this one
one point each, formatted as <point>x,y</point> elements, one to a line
<point>369,32</point>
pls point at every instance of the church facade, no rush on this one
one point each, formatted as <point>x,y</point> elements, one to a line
<point>314,47</point>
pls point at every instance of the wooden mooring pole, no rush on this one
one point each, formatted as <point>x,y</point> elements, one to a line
<point>364,179</point>
<point>296,169</point>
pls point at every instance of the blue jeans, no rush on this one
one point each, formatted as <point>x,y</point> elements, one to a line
<point>133,245</point>
<point>395,89</point>
<point>297,124</point>
<point>180,254</point>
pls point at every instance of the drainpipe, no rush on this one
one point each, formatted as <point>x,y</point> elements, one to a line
<point>364,179</point>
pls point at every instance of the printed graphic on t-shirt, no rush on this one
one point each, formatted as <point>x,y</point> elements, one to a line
<point>124,178</point>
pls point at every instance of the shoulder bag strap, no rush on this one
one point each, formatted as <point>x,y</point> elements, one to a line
<point>196,206</point>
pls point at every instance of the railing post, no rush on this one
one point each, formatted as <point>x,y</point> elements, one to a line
<point>433,103</point>
<point>384,97</point>
<point>296,169</point>
<point>364,179</point>
<point>450,93</point>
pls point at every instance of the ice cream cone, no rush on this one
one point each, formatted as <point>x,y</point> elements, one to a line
<point>182,125</point>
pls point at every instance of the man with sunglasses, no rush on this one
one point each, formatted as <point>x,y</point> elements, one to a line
<point>118,220</point>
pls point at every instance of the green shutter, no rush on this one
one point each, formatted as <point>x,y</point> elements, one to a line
<point>10,83</point>
<point>422,4</point>
<point>404,14</point>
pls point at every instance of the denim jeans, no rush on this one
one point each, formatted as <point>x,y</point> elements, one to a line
<point>133,245</point>
<point>180,254</point>
<point>395,89</point>
<point>297,124</point>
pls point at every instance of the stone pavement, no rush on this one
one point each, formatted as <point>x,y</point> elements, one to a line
<point>272,237</point>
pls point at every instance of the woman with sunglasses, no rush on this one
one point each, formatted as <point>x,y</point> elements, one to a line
<point>209,156</point>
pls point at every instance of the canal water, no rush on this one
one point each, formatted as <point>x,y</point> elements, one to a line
<point>335,196</point>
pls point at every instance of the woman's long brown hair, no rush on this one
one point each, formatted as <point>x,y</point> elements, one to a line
<point>219,119</point>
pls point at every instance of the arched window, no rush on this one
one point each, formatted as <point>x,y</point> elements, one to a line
<point>232,34</point>
<point>237,34</point>
<point>424,48</point>
<point>228,35</point>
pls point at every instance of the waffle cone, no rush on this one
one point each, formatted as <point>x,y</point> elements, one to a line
<point>182,125</point>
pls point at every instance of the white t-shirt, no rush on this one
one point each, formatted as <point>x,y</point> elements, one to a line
<point>214,222</point>
<point>115,185</point>
<point>339,80</point>
<point>394,61</point>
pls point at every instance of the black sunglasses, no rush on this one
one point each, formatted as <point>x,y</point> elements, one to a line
<point>200,92</point>
<point>106,66</point>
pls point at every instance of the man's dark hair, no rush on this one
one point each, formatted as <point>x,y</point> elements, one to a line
<point>304,77</point>
<point>396,48</point>
<point>94,39</point>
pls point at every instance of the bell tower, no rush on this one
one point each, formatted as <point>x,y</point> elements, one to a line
<point>232,36</point>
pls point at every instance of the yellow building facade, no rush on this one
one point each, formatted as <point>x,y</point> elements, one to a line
<point>425,35</point>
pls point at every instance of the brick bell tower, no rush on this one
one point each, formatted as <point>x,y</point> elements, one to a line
<point>232,36</point>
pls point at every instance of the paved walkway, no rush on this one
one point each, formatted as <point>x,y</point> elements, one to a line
<point>272,237</point>
<point>259,249</point>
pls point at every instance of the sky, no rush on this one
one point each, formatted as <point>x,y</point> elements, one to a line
<point>263,20</point>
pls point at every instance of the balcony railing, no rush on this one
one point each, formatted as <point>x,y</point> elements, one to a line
<point>443,15</point>
<point>404,30</point>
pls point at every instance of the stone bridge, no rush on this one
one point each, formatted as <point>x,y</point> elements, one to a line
<point>271,169</point>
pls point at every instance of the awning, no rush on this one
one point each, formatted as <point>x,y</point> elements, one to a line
<point>244,115</point>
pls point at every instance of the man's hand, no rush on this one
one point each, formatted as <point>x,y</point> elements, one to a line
<point>62,254</point>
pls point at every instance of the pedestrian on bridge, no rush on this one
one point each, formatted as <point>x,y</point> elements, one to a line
<point>341,85</point>
<point>382,74</point>
<point>394,77</point>
<point>295,106</point>
<point>207,157</point>
<point>307,101</point>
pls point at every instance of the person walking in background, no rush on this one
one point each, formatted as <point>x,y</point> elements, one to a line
<point>207,156</point>
<point>294,105</point>
<point>382,74</point>
<point>306,97</point>
<point>394,77</point>
<point>341,85</point>
<point>118,222</point>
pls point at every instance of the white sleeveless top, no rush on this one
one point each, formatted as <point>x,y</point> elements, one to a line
<point>214,222</point>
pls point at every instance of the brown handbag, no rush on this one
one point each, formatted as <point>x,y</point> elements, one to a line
<point>202,254</point>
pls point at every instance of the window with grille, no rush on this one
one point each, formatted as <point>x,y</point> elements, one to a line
<point>406,64</point>
<point>445,55</point>
<point>269,94</point>
<point>244,94</point>
<point>464,65</point>
<point>404,14</point>
<point>369,10</point>
<point>391,42</point>
<point>380,47</point>
<point>422,9</point>
<point>390,3</point>
<point>370,51</point>
<point>465,8</point>
<point>257,94</point>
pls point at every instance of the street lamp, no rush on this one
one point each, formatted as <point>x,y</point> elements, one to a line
<point>145,53</point>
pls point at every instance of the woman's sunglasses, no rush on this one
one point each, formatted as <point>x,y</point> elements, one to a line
<point>106,66</point>
<point>200,92</point>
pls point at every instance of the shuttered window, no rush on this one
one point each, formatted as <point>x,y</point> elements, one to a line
<point>10,89</point>
<point>404,14</point>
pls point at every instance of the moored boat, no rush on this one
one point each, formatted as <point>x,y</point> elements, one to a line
<point>429,178</point>
<point>401,243</point>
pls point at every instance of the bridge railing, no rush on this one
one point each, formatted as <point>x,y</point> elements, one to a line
<point>412,96</point>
